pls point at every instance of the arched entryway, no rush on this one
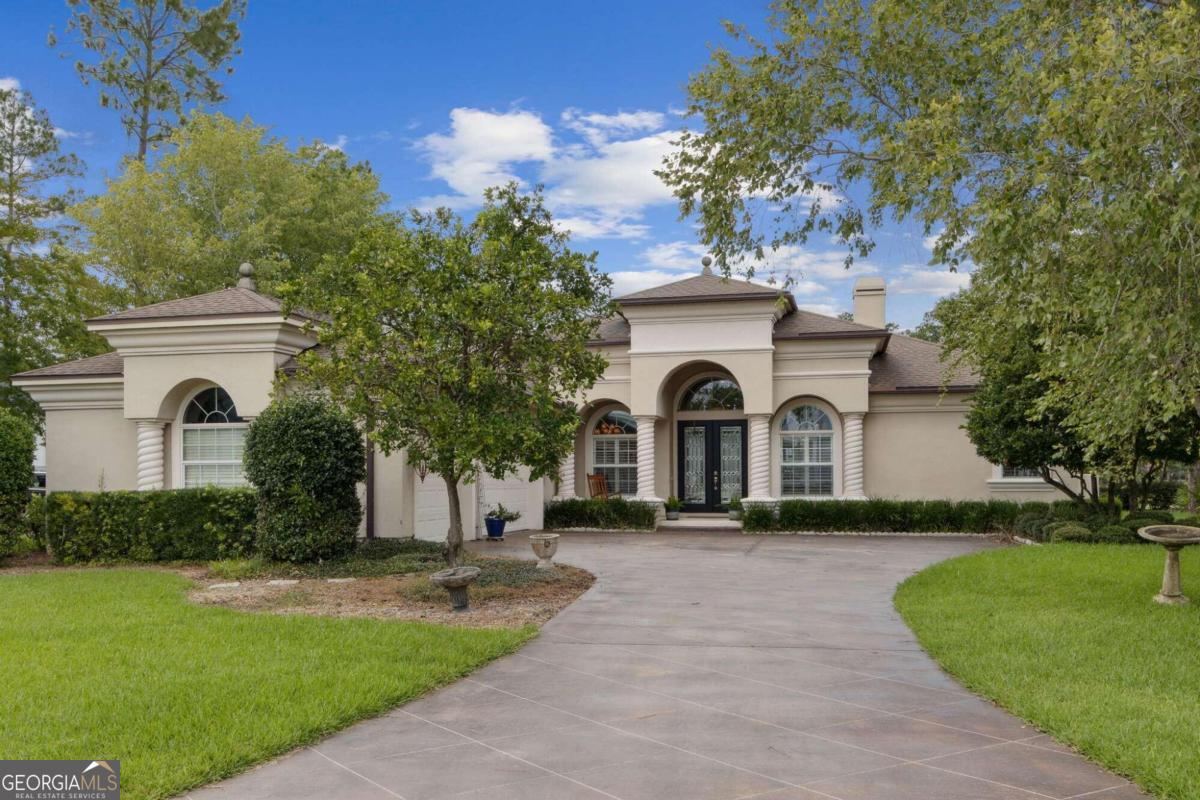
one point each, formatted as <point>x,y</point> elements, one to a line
<point>709,438</point>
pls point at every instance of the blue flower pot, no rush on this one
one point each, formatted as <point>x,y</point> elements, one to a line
<point>495,527</point>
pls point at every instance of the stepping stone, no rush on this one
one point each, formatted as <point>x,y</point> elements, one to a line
<point>233,585</point>
<point>282,583</point>
<point>339,580</point>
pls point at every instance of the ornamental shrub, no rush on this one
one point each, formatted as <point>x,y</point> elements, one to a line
<point>758,517</point>
<point>880,515</point>
<point>1154,517</point>
<point>1070,532</point>
<point>613,513</point>
<point>306,459</point>
<point>204,524</point>
<point>1116,534</point>
<point>16,476</point>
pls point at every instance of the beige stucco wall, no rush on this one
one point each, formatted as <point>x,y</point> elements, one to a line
<point>84,445</point>
<point>915,448</point>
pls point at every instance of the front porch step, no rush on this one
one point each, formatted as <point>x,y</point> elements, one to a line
<point>707,522</point>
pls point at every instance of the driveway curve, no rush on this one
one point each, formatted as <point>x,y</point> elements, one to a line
<point>703,666</point>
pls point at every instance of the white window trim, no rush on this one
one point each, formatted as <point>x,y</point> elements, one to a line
<point>777,434</point>
<point>1000,483</point>
<point>590,443</point>
<point>178,464</point>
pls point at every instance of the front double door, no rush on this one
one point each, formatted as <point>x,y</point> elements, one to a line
<point>712,463</point>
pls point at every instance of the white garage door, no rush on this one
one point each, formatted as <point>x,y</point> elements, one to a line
<point>512,492</point>
<point>431,511</point>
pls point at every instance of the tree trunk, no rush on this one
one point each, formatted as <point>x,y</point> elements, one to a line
<point>454,535</point>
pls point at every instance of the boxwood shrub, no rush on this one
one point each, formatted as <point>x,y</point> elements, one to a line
<point>16,476</point>
<point>173,525</point>
<point>613,513</point>
<point>893,516</point>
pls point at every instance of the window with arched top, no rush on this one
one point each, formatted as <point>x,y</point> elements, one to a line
<point>614,452</point>
<point>806,458</point>
<point>712,394</point>
<point>213,440</point>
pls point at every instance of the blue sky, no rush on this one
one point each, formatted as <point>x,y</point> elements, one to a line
<point>446,98</point>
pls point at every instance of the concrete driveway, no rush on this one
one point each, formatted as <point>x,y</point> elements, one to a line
<point>703,667</point>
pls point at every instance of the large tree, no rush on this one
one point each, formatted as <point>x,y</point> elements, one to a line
<point>225,192</point>
<point>45,291</point>
<point>152,57</point>
<point>1057,145</point>
<point>464,343</point>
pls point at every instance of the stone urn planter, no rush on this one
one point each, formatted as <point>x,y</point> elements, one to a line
<point>544,545</point>
<point>455,581</point>
<point>1173,538</point>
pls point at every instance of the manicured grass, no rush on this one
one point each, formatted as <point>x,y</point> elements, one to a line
<point>117,664</point>
<point>1067,637</point>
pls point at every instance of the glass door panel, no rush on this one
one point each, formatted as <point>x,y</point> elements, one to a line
<point>731,462</point>
<point>693,467</point>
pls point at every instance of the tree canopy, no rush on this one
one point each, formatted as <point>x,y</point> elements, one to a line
<point>152,57</point>
<point>224,192</point>
<point>1055,145</point>
<point>45,292</point>
<point>465,343</point>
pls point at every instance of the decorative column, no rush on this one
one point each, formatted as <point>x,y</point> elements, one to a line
<point>645,459</point>
<point>150,468</point>
<point>760,458</point>
<point>566,477</point>
<point>852,456</point>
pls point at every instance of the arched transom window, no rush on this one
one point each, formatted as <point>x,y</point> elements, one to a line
<point>614,452</point>
<point>213,440</point>
<point>806,461</point>
<point>712,394</point>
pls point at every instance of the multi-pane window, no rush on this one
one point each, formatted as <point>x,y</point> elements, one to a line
<point>213,440</point>
<point>614,452</point>
<point>806,459</point>
<point>710,394</point>
<point>1020,472</point>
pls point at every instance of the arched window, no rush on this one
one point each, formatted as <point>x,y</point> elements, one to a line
<point>712,394</point>
<point>213,438</point>
<point>806,461</point>
<point>614,452</point>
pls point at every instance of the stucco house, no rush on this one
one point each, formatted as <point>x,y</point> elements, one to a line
<point>715,388</point>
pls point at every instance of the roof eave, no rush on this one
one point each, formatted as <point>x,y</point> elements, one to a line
<point>700,298</point>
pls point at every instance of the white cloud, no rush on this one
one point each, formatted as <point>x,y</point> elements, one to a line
<point>828,309</point>
<point>618,178</point>
<point>599,128</point>
<point>601,228</point>
<point>63,133</point>
<point>10,84</point>
<point>933,281</point>
<point>674,255</point>
<point>483,146</point>
<point>629,281</point>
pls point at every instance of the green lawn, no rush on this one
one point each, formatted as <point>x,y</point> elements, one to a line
<point>117,664</point>
<point>1067,637</point>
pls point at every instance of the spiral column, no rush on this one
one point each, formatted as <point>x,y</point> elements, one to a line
<point>566,477</point>
<point>760,457</point>
<point>852,456</point>
<point>150,467</point>
<point>645,459</point>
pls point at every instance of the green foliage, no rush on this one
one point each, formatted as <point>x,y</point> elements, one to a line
<point>1153,517</point>
<point>1021,134</point>
<point>500,512</point>
<point>306,459</point>
<point>223,193</point>
<point>673,503</point>
<point>16,476</point>
<point>1115,534</point>
<point>460,342</point>
<point>371,558</point>
<point>176,525</point>
<point>1068,532</point>
<point>877,515</point>
<point>758,517</point>
<point>45,290</point>
<point>734,504</point>
<point>154,57</point>
<point>613,513</point>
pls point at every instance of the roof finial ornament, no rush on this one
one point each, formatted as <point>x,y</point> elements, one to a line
<point>707,262</point>
<point>246,270</point>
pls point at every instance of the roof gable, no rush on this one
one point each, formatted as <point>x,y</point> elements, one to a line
<point>101,366</point>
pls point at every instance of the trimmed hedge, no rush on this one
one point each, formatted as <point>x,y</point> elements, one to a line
<point>614,513</point>
<point>891,516</point>
<point>174,525</point>
<point>16,476</point>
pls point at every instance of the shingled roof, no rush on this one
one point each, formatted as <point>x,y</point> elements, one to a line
<point>801,324</point>
<point>101,366</point>
<point>699,289</point>
<point>913,365</point>
<point>233,302</point>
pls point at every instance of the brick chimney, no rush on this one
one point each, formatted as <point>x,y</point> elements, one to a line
<point>869,301</point>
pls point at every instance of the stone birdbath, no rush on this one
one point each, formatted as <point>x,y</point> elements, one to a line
<point>1174,538</point>
<point>455,581</point>
<point>544,545</point>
